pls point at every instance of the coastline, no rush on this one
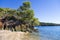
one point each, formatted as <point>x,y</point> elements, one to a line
<point>8,35</point>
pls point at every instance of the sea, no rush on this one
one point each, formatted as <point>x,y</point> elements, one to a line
<point>49,32</point>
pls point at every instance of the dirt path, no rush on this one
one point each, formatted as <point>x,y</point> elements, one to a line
<point>8,35</point>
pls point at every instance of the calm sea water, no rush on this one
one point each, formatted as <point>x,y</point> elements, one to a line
<point>49,32</point>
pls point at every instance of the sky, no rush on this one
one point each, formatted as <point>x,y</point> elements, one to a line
<point>44,10</point>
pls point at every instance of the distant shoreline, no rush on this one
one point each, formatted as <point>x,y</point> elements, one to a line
<point>48,24</point>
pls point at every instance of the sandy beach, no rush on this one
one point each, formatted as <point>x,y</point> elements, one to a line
<point>8,35</point>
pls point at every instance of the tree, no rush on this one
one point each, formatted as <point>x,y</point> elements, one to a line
<point>35,22</point>
<point>27,14</point>
<point>7,12</point>
<point>24,13</point>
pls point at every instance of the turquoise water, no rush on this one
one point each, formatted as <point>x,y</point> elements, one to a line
<point>49,32</point>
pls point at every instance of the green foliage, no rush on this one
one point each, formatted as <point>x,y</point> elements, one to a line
<point>35,22</point>
<point>24,13</point>
<point>26,4</point>
<point>1,9</point>
<point>27,14</point>
<point>2,12</point>
<point>22,8</point>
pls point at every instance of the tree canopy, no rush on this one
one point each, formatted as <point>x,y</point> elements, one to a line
<point>24,13</point>
<point>27,14</point>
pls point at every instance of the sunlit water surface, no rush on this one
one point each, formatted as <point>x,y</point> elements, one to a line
<point>49,32</point>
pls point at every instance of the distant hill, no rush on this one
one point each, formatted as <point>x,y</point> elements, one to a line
<point>48,24</point>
